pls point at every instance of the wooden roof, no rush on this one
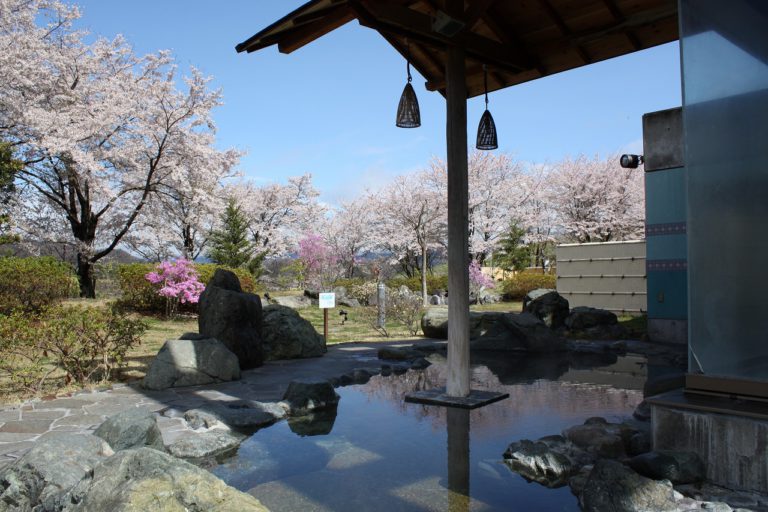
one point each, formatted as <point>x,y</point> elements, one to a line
<point>518,40</point>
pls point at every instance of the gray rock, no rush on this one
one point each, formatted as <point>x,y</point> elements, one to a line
<point>145,479</point>
<point>639,443</point>
<point>602,439</point>
<point>642,412</point>
<point>676,466</point>
<point>612,487</point>
<point>538,462</point>
<point>361,375</point>
<point>420,364</point>
<point>583,317</point>
<point>40,478</point>
<point>399,354</point>
<point>516,333</point>
<point>306,395</point>
<point>436,300</point>
<point>191,363</point>
<point>232,317</point>
<point>244,418</point>
<point>547,305</point>
<point>286,335</point>
<point>132,428</point>
<point>434,323</point>
<point>349,302</point>
<point>292,301</point>
<point>606,332</point>
<point>404,290</point>
<point>206,445</point>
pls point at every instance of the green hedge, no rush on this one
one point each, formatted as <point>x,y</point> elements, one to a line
<point>518,286</point>
<point>139,294</point>
<point>30,284</point>
<point>434,283</point>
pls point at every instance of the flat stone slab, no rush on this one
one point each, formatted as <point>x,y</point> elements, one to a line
<point>476,398</point>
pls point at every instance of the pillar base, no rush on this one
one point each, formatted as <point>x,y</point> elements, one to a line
<point>437,396</point>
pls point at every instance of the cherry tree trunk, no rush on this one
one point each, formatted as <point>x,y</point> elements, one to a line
<point>86,276</point>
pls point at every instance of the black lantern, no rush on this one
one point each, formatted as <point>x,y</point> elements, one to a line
<point>408,115</point>
<point>486,130</point>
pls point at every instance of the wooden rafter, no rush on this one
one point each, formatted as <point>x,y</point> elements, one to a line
<point>308,32</point>
<point>619,17</point>
<point>564,30</point>
<point>408,23</point>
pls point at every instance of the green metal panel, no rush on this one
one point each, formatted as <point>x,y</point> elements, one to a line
<point>668,294</point>
<point>665,197</point>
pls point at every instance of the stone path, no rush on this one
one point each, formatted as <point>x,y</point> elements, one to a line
<point>21,425</point>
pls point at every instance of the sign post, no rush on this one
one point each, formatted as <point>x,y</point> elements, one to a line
<point>326,301</point>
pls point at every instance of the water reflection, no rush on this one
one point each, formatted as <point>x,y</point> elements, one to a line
<point>317,423</point>
<point>457,421</point>
<point>381,454</point>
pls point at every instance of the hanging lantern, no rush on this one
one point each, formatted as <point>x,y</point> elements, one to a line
<point>408,115</point>
<point>486,130</point>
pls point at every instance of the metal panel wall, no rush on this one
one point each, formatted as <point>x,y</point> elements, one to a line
<point>608,275</point>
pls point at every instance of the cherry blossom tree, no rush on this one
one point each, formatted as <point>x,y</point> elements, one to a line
<point>100,131</point>
<point>410,216</point>
<point>319,262</point>
<point>350,233</point>
<point>596,200</point>
<point>278,214</point>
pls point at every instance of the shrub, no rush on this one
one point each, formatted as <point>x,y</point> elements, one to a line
<point>434,283</point>
<point>31,284</point>
<point>518,286</point>
<point>87,343</point>
<point>179,284</point>
<point>138,294</point>
<point>362,292</point>
<point>402,308</point>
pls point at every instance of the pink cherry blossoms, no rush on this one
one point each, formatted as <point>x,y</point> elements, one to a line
<point>179,281</point>
<point>478,280</point>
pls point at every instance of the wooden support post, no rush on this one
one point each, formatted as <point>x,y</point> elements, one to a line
<point>458,224</point>
<point>325,324</point>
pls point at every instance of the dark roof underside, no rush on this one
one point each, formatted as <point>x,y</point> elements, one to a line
<point>518,40</point>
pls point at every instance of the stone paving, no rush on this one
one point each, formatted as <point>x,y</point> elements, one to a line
<point>21,425</point>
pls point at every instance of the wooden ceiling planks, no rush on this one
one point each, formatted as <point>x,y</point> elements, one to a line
<point>518,40</point>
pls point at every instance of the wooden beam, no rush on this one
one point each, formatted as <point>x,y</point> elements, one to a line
<point>418,26</point>
<point>458,220</point>
<point>306,33</point>
<point>475,11</point>
<point>365,18</point>
<point>619,17</point>
<point>508,37</point>
<point>555,17</point>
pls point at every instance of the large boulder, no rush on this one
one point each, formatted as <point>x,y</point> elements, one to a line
<point>42,476</point>
<point>434,323</point>
<point>601,438</point>
<point>541,461</point>
<point>286,335</point>
<point>678,467</point>
<point>613,487</point>
<point>191,362</point>
<point>293,301</point>
<point>307,395</point>
<point>244,418</point>
<point>548,305</point>
<point>206,445</point>
<point>145,479</point>
<point>132,428</point>
<point>512,332</point>
<point>584,317</point>
<point>232,317</point>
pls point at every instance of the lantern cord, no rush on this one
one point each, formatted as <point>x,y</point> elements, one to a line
<point>408,63</point>
<point>485,81</point>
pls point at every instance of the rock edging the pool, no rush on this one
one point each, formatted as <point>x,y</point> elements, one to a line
<point>124,464</point>
<point>610,466</point>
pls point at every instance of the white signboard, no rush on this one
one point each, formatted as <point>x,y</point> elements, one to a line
<point>327,300</point>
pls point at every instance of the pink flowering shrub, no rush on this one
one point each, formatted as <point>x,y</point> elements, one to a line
<point>180,283</point>
<point>477,280</point>
<point>320,264</point>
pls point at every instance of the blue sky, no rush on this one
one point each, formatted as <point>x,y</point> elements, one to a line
<point>329,108</point>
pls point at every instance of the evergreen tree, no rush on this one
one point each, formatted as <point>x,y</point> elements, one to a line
<point>514,255</point>
<point>8,169</point>
<point>230,245</point>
